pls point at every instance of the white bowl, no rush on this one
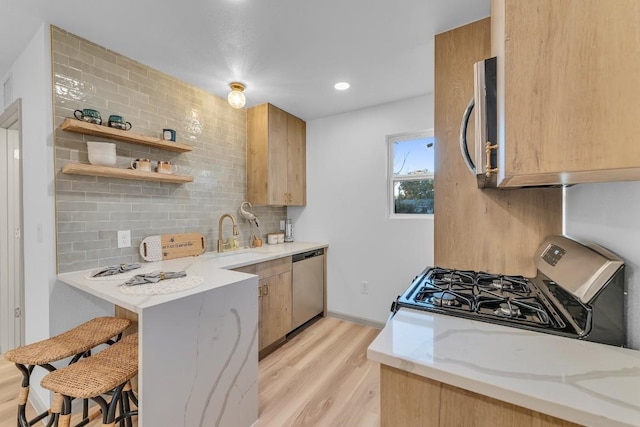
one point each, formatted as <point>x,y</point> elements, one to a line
<point>101,153</point>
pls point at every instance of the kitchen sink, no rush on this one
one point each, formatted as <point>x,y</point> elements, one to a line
<point>233,257</point>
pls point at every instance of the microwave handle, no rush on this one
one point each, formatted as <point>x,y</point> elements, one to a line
<point>464,149</point>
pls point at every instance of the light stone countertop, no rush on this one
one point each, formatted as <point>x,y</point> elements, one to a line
<point>212,266</point>
<point>583,382</point>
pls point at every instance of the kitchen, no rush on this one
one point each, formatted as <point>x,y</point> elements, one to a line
<point>361,229</point>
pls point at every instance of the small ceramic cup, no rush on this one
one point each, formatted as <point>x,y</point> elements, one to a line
<point>280,237</point>
<point>118,122</point>
<point>141,165</point>
<point>169,135</point>
<point>88,115</point>
<point>272,238</point>
<point>166,167</point>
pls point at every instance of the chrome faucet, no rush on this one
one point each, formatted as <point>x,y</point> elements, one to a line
<point>221,244</point>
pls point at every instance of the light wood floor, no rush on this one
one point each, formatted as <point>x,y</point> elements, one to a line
<point>321,377</point>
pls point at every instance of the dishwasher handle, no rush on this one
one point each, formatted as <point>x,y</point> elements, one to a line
<point>307,255</point>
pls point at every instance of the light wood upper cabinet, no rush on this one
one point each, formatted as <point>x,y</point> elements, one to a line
<point>568,92</point>
<point>490,230</point>
<point>276,157</point>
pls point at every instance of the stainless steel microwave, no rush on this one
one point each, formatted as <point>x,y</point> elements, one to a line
<point>485,166</point>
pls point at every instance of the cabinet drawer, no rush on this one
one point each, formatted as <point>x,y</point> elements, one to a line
<point>249,269</point>
<point>267,268</point>
<point>273,267</point>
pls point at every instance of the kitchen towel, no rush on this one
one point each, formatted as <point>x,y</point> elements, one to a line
<point>115,269</point>
<point>154,277</point>
<point>162,287</point>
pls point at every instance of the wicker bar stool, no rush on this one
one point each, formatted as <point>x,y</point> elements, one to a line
<point>74,343</point>
<point>108,371</point>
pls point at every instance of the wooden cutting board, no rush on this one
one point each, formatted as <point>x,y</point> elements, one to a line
<point>170,246</point>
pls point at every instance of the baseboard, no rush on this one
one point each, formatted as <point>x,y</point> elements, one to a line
<point>355,319</point>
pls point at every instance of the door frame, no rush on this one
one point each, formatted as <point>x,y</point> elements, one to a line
<point>13,334</point>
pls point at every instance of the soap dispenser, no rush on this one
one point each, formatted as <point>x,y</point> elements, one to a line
<point>288,231</point>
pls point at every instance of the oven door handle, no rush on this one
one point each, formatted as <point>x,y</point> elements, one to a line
<point>464,149</point>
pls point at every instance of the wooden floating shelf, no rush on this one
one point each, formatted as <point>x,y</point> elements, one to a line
<point>85,128</point>
<point>121,173</point>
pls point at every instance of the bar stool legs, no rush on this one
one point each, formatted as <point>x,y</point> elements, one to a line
<point>126,397</point>
<point>23,395</point>
<point>121,397</point>
<point>108,372</point>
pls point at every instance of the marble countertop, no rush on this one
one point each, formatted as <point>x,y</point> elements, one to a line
<point>212,266</point>
<point>583,382</point>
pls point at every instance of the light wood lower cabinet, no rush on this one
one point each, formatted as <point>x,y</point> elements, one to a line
<point>275,309</point>
<point>410,400</point>
<point>274,293</point>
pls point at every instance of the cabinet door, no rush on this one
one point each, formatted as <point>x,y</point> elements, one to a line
<point>278,156</point>
<point>409,400</point>
<point>296,166</point>
<point>491,230</point>
<point>275,309</point>
<point>568,91</point>
<point>258,155</point>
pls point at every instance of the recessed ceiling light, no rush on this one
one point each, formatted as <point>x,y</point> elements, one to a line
<point>342,86</point>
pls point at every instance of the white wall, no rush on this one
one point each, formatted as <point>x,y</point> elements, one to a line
<point>608,214</point>
<point>31,74</point>
<point>347,207</point>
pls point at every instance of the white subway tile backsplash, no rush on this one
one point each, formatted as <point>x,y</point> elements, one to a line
<point>65,227</point>
<point>114,207</point>
<point>90,245</point>
<point>64,248</point>
<point>71,258</point>
<point>87,216</point>
<point>76,206</point>
<point>103,225</point>
<point>78,236</point>
<point>99,254</point>
<point>110,235</point>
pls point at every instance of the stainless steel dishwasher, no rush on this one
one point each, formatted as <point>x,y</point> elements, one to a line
<point>308,286</point>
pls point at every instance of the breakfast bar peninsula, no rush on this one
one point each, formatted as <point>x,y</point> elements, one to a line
<point>198,357</point>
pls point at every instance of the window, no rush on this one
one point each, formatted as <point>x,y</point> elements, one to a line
<point>410,169</point>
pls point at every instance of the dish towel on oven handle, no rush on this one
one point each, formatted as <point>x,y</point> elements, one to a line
<point>154,277</point>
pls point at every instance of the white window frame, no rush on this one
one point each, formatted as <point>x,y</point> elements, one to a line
<point>391,179</point>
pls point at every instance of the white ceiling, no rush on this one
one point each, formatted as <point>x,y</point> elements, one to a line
<point>287,52</point>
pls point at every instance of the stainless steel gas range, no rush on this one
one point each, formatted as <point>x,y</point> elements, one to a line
<point>578,292</point>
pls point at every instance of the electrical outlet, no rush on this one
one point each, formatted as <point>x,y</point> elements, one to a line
<point>124,239</point>
<point>364,288</point>
<point>282,225</point>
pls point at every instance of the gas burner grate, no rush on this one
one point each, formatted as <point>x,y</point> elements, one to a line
<point>443,277</point>
<point>497,298</point>
<point>497,282</point>
<point>528,310</point>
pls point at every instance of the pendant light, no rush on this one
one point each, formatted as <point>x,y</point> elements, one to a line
<point>236,97</point>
